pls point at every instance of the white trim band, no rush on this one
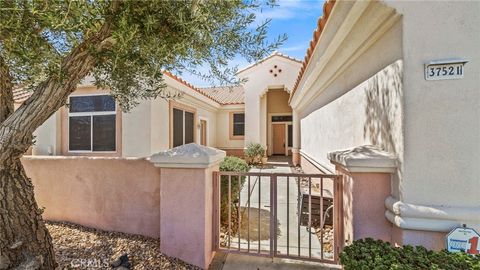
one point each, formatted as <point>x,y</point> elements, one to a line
<point>189,155</point>
<point>430,218</point>
<point>365,158</point>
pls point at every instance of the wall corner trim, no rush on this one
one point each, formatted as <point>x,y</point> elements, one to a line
<point>365,158</point>
<point>190,155</point>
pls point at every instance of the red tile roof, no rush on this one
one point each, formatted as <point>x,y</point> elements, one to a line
<point>182,81</point>
<point>327,9</point>
<point>226,95</point>
<point>20,95</point>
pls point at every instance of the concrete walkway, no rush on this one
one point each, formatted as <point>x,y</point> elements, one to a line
<point>290,235</point>
<point>223,261</point>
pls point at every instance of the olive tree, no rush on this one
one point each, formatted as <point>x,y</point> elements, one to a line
<point>49,46</point>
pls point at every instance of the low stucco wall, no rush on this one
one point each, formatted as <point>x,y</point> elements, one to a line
<point>114,194</point>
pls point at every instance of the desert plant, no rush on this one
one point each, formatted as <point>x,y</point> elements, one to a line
<point>231,164</point>
<point>254,153</point>
<point>376,254</point>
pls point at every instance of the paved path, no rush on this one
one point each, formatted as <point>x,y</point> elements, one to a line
<point>289,233</point>
<point>222,261</point>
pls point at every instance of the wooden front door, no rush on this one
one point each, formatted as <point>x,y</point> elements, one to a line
<point>278,136</point>
<point>203,132</point>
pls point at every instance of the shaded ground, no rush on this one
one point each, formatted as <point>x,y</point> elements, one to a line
<point>78,247</point>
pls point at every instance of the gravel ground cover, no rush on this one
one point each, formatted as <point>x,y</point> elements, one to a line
<point>78,247</point>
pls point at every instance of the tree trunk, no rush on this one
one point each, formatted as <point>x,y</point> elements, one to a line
<point>24,240</point>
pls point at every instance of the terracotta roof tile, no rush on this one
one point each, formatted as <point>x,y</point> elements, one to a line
<point>21,94</point>
<point>327,9</point>
<point>182,81</point>
<point>226,95</point>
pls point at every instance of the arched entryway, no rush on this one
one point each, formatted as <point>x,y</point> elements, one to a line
<point>278,122</point>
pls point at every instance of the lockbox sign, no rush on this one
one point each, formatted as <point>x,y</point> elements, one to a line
<point>463,239</point>
<point>445,69</point>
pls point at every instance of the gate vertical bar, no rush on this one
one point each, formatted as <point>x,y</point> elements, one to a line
<point>337,217</point>
<point>259,207</point>
<point>309,217</point>
<point>272,215</point>
<point>229,209</point>
<point>322,222</point>
<point>300,202</point>
<point>288,215</point>
<point>216,211</point>
<point>248,216</point>
<point>274,203</point>
<point>239,213</point>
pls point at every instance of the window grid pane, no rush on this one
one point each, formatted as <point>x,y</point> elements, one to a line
<point>80,133</point>
<point>177,127</point>
<point>238,124</point>
<point>100,103</point>
<point>104,133</point>
<point>189,127</point>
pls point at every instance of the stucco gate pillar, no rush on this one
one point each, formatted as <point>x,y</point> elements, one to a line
<point>186,202</point>
<point>366,178</point>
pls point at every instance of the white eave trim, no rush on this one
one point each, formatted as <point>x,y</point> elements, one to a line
<point>320,77</point>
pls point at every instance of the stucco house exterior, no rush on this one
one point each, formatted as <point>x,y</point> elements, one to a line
<point>361,89</point>
<point>227,118</point>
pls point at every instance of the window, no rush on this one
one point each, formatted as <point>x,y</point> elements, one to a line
<point>282,118</point>
<point>290,135</point>
<point>237,127</point>
<point>183,127</point>
<point>92,123</point>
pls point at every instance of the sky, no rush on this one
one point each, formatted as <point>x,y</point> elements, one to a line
<point>296,18</point>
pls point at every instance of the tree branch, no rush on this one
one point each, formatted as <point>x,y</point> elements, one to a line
<point>6,91</point>
<point>49,96</point>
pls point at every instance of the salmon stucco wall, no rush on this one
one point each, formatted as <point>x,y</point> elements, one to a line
<point>113,194</point>
<point>364,211</point>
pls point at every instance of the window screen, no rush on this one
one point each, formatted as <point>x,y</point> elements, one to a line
<point>238,124</point>
<point>92,123</point>
<point>104,133</point>
<point>177,127</point>
<point>290,136</point>
<point>189,127</point>
<point>282,118</point>
<point>100,103</point>
<point>79,133</point>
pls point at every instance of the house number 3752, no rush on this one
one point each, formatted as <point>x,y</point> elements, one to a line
<point>444,71</point>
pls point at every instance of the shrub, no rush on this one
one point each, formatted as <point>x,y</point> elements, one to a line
<point>231,164</point>
<point>376,254</point>
<point>254,152</point>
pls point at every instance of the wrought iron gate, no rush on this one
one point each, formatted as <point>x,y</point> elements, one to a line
<point>302,211</point>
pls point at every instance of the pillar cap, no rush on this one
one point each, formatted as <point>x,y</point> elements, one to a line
<point>365,158</point>
<point>189,155</point>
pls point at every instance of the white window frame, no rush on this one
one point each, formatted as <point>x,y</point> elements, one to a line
<point>91,114</point>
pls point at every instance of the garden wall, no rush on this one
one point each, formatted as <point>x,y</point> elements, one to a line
<point>113,194</point>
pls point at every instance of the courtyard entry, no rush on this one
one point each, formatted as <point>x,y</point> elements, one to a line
<point>274,212</point>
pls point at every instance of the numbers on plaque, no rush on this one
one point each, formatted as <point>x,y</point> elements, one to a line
<point>473,245</point>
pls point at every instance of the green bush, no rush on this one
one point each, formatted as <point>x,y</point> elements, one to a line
<point>231,164</point>
<point>254,152</point>
<point>372,254</point>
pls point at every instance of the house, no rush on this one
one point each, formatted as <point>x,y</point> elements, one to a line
<point>367,80</point>
<point>227,118</point>
<point>364,81</point>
